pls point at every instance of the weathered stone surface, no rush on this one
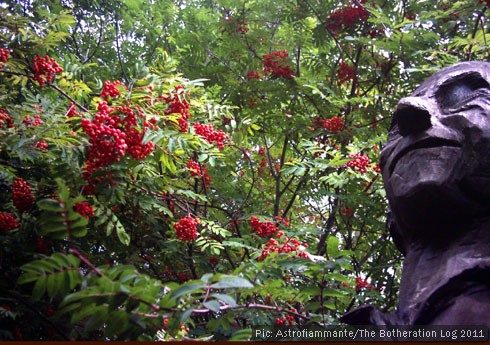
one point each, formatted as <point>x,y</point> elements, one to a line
<point>436,172</point>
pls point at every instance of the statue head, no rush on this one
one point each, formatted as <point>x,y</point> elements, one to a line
<point>436,163</point>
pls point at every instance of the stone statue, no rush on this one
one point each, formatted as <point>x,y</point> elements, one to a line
<point>436,172</point>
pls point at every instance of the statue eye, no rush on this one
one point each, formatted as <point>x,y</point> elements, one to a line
<point>460,90</point>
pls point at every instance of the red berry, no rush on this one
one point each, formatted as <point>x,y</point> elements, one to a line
<point>41,145</point>
<point>177,104</point>
<point>276,64</point>
<point>84,209</point>
<point>5,119</point>
<point>186,229</point>
<point>263,229</point>
<point>251,75</point>
<point>345,72</point>
<point>359,162</point>
<point>21,195</point>
<point>346,17</point>
<point>110,89</point>
<point>7,222</point>
<point>45,69</point>
<point>72,110</point>
<point>4,54</point>
<point>335,124</point>
<point>211,135</point>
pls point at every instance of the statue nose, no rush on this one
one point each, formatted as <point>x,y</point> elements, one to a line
<point>412,116</point>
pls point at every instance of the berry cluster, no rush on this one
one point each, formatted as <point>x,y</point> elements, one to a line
<point>283,245</point>
<point>4,54</point>
<point>251,75</point>
<point>230,25</point>
<point>359,162</point>
<point>186,228</point>
<point>362,284</point>
<point>261,151</point>
<point>213,260</point>
<point>7,222</point>
<point>45,69</point>
<point>335,124</point>
<point>346,18</point>
<point>43,245</point>
<point>263,229</point>
<point>84,209</point>
<point>41,145</point>
<point>72,110</point>
<point>107,139</point>
<point>242,28</point>
<point>285,320</point>
<point>276,64</point>
<point>197,170</point>
<point>284,221</point>
<point>136,148</point>
<point>111,136</point>
<point>110,89</point>
<point>21,194</point>
<point>208,132</point>
<point>194,168</point>
<point>177,104</point>
<point>5,119</point>
<point>345,73</point>
<point>28,122</point>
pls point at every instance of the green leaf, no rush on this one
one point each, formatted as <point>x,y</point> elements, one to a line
<point>212,305</point>
<point>241,335</point>
<point>122,234</point>
<point>232,282</point>
<point>333,246</point>
<point>333,293</point>
<point>225,298</point>
<point>187,289</point>
<point>50,205</point>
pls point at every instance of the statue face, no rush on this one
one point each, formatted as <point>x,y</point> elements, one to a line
<point>436,164</point>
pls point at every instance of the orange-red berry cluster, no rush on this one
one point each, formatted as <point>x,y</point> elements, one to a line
<point>28,122</point>
<point>197,170</point>
<point>7,222</point>
<point>211,135</point>
<point>285,320</point>
<point>4,54</point>
<point>263,229</point>
<point>113,132</point>
<point>186,228</point>
<point>362,284</point>
<point>345,73</point>
<point>276,64</point>
<point>110,89</point>
<point>84,209</point>
<point>283,244</point>
<point>346,18</point>
<point>22,197</point>
<point>194,168</point>
<point>359,162</point>
<point>41,145</point>
<point>5,119</point>
<point>251,75</point>
<point>334,124</point>
<point>72,110</point>
<point>45,69</point>
<point>177,104</point>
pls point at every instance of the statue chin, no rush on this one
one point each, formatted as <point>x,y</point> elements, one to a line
<point>424,192</point>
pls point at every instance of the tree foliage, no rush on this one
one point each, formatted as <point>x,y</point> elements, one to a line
<point>190,169</point>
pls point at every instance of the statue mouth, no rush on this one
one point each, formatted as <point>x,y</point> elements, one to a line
<point>426,143</point>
